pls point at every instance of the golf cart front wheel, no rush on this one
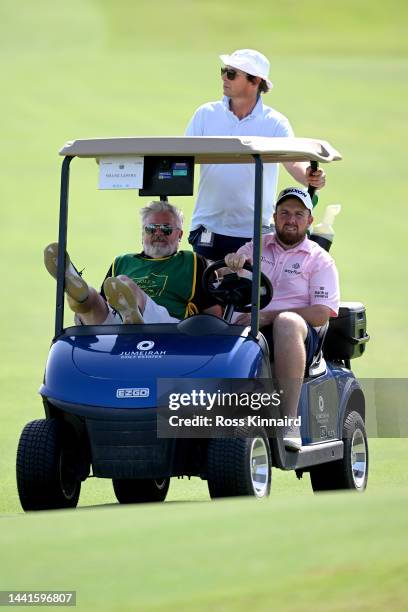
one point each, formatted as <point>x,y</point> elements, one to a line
<point>240,465</point>
<point>138,491</point>
<point>351,472</point>
<point>47,475</point>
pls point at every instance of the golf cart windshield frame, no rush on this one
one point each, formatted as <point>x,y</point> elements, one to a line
<point>205,150</point>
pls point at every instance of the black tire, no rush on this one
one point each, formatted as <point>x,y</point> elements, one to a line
<point>47,475</point>
<point>347,473</point>
<point>138,491</point>
<point>231,461</point>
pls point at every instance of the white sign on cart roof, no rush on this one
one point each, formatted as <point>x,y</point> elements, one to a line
<point>121,172</point>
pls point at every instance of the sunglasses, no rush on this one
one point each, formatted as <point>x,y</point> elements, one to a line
<point>165,228</point>
<point>230,72</point>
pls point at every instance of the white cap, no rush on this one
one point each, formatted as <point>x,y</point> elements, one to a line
<point>251,62</point>
<point>295,192</point>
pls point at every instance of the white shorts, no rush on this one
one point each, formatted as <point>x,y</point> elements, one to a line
<point>153,313</point>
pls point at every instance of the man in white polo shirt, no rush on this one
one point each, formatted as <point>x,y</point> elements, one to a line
<point>223,215</point>
<point>305,295</point>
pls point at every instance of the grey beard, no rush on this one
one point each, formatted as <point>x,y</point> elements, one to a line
<point>159,250</point>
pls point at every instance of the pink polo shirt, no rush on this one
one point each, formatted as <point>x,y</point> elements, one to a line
<point>302,276</point>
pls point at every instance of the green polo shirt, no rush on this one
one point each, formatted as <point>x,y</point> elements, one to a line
<point>170,281</point>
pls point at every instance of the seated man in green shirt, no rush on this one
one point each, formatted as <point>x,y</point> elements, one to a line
<point>158,285</point>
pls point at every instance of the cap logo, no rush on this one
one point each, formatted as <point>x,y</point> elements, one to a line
<point>293,190</point>
<point>297,193</point>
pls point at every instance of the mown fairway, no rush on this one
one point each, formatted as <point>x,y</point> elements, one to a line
<point>332,552</point>
<point>122,68</point>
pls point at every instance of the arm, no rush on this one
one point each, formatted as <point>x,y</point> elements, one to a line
<point>214,310</point>
<point>236,261</point>
<point>302,173</point>
<point>195,127</point>
<point>323,293</point>
<point>316,315</point>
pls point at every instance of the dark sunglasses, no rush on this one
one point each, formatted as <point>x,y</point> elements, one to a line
<point>165,228</point>
<point>230,72</point>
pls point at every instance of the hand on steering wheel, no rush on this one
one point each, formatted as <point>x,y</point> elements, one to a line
<point>234,290</point>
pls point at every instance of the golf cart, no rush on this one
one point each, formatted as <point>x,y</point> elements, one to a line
<point>101,394</point>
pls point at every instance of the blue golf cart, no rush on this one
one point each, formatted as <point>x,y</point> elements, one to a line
<point>103,384</point>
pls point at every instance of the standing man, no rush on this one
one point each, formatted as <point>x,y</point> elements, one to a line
<point>223,215</point>
<point>305,295</point>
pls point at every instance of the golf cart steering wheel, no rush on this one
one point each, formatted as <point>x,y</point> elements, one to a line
<point>234,290</point>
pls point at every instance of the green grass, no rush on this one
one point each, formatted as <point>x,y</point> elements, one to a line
<point>331,552</point>
<point>103,68</point>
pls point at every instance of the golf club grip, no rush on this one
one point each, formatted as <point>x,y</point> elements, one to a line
<point>314,165</point>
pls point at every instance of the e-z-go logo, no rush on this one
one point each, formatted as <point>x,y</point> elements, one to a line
<point>132,392</point>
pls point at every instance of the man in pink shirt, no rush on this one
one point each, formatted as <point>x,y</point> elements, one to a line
<point>305,295</point>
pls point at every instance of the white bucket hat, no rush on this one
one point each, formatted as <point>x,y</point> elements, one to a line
<point>295,192</point>
<point>251,62</point>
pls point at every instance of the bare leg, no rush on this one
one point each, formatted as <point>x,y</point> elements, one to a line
<point>289,335</point>
<point>82,299</point>
<point>92,311</point>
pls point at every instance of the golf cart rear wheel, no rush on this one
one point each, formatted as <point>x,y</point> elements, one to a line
<point>239,465</point>
<point>137,491</point>
<point>351,472</point>
<point>46,466</point>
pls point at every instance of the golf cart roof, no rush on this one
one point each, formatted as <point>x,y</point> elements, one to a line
<point>207,149</point>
